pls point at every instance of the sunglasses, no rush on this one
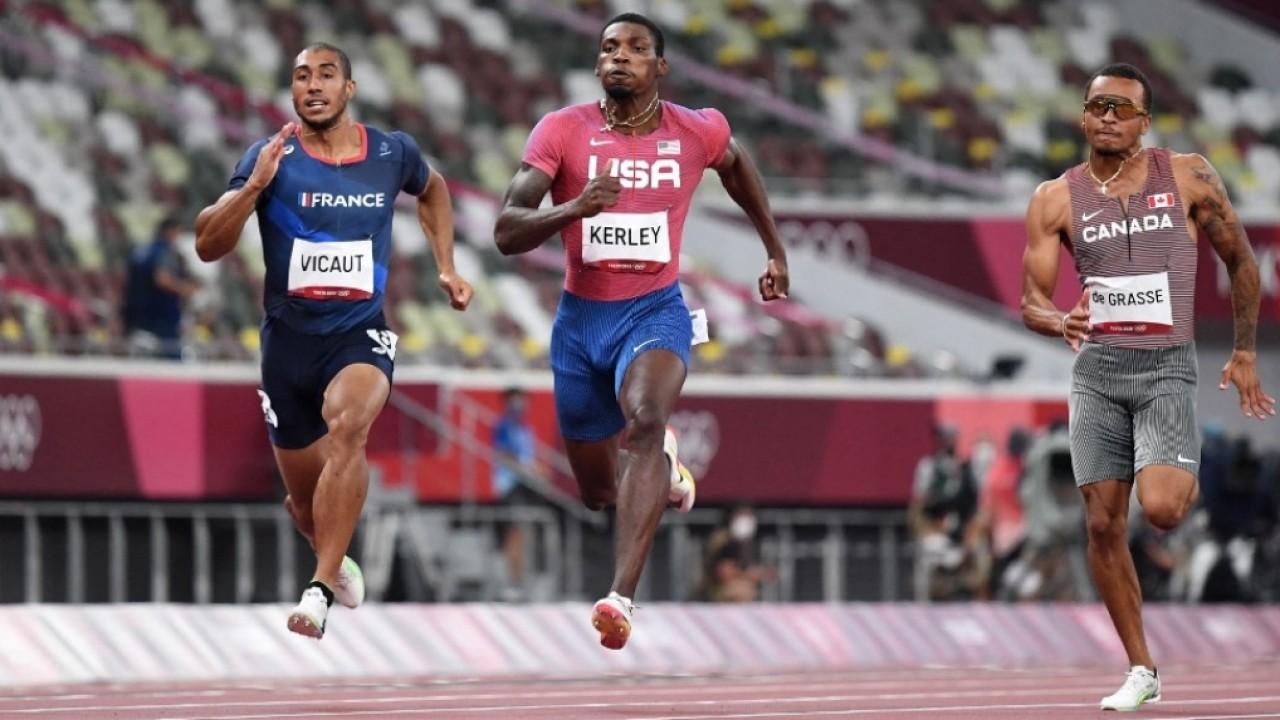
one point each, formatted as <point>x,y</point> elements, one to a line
<point>1124,109</point>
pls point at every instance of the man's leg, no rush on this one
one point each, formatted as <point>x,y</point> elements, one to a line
<point>648,396</point>
<point>1106,511</point>
<point>301,471</point>
<point>595,467</point>
<point>1166,494</point>
<point>352,402</point>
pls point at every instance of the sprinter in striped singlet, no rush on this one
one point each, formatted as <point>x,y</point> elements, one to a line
<point>1128,216</point>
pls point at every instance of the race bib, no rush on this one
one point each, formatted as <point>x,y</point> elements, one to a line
<point>340,270</point>
<point>1134,304</point>
<point>700,332</point>
<point>626,242</point>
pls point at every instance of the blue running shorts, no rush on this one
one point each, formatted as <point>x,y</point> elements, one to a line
<point>297,368</point>
<point>593,342</point>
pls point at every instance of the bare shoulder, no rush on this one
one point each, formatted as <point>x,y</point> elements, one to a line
<point>1055,190</point>
<point>1051,204</point>
<point>1197,178</point>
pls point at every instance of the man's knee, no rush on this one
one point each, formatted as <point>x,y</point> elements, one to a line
<point>646,424</point>
<point>1105,527</point>
<point>1165,512</point>
<point>348,432</point>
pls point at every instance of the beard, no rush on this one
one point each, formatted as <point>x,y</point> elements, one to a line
<point>619,92</point>
<point>1111,152</point>
<point>328,123</point>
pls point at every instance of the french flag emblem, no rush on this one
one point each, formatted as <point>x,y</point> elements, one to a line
<point>1160,200</point>
<point>305,200</point>
<point>668,147</point>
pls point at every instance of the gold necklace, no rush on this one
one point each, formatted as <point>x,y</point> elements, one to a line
<point>640,118</point>
<point>1103,183</point>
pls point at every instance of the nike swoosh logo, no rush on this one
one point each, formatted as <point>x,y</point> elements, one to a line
<point>1089,216</point>
<point>595,143</point>
<point>636,349</point>
<point>384,154</point>
<point>1189,461</point>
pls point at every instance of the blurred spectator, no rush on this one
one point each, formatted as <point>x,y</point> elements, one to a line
<point>1052,564</point>
<point>999,509</point>
<point>943,505</point>
<point>1220,568</point>
<point>731,572</point>
<point>158,284</point>
<point>513,442</point>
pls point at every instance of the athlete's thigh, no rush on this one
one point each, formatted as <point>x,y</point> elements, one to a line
<point>652,385</point>
<point>355,377</point>
<point>1101,438</point>
<point>595,468</point>
<point>1167,449</point>
<point>586,407</point>
<point>356,395</point>
<point>664,326</point>
<point>1166,432</point>
<point>290,406</point>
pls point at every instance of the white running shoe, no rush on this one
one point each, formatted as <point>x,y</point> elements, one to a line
<point>683,489</point>
<point>348,587</point>
<point>611,617</point>
<point>309,614</point>
<point>1141,686</point>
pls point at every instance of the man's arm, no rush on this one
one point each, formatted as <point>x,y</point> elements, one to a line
<point>1047,218</point>
<point>435,215</point>
<point>742,180</point>
<point>166,279</point>
<point>218,226</point>
<point>1206,197</point>
<point>522,226</point>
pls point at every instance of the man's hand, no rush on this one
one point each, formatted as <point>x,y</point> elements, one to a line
<point>1242,371</point>
<point>1075,326</point>
<point>458,290</point>
<point>264,170</point>
<point>600,194</point>
<point>774,282</point>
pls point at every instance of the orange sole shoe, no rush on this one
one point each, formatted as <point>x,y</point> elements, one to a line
<point>612,624</point>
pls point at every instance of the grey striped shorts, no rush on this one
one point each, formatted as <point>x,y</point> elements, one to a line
<point>1131,408</point>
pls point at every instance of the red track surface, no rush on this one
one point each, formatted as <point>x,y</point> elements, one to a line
<point>1223,693</point>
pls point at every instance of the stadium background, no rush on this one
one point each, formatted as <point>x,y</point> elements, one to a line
<point>899,140</point>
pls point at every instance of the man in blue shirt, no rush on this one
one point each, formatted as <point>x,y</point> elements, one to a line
<point>158,283</point>
<point>324,189</point>
<point>513,441</point>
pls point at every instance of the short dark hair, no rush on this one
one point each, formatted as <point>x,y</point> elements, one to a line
<point>343,60</point>
<point>1129,72</point>
<point>170,223</point>
<point>659,44</point>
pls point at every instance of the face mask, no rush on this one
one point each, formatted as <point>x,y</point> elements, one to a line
<point>743,527</point>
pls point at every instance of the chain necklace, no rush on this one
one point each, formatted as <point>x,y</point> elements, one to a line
<point>640,118</point>
<point>1103,183</point>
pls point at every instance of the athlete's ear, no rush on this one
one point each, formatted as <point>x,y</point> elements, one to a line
<point>663,67</point>
<point>351,89</point>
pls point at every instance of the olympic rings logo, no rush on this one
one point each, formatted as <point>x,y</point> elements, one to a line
<point>699,436</point>
<point>19,431</point>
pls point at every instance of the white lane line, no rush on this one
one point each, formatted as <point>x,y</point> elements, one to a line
<point>483,692</point>
<point>718,703</point>
<point>901,711</point>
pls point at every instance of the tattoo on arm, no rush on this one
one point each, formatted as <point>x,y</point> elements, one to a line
<point>1217,219</point>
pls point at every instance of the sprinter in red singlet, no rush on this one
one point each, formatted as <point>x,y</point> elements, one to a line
<point>621,173</point>
<point>1128,216</point>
